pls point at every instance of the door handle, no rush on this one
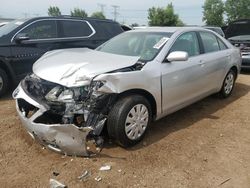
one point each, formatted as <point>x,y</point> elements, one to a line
<point>201,63</point>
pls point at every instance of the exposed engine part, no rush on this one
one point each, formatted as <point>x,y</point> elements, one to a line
<point>84,109</point>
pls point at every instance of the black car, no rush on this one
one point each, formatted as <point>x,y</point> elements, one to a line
<point>238,33</point>
<point>22,42</point>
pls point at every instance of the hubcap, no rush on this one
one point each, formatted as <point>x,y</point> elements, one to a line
<point>229,82</point>
<point>136,121</point>
<point>1,83</point>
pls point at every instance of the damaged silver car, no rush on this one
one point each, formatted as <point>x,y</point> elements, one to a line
<point>73,95</point>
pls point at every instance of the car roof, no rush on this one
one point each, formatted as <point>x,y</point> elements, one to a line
<point>167,29</point>
<point>69,18</point>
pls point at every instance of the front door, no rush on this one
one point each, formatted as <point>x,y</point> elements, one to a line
<point>42,35</point>
<point>182,81</point>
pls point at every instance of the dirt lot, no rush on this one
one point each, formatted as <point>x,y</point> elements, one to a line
<point>204,145</point>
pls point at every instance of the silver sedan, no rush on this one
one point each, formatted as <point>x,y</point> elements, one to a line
<point>133,79</point>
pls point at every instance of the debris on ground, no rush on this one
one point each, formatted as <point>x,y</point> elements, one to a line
<point>56,184</point>
<point>105,168</point>
<point>98,178</point>
<point>84,175</point>
<point>56,173</point>
<point>225,181</point>
<point>119,170</point>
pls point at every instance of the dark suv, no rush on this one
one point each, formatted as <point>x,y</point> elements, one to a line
<point>238,33</point>
<point>22,42</point>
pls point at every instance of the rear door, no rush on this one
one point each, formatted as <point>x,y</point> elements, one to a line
<point>42,35</point>
<point>216,56</point>
<point>76,33</point>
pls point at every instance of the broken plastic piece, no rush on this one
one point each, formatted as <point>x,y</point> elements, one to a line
<point>85,175</point>
<point>98,178</point>
<point>105,168</point>
<point>56,184</point>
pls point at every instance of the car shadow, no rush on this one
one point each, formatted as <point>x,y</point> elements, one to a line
<point>188,116</point>
<point>245,71</point>
<point>7,96</point>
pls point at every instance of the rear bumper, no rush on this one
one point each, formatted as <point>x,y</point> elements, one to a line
<point>63,138</point>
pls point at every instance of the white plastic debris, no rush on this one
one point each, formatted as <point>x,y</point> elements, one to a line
<point>84,175</point>
<point>56,184</point>
<point>119,170</point>
<point>98,178</point>
<point>105,168</point>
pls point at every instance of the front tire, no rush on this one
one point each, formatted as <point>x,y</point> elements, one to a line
<point>129,119</point>
<point>228,84</point>
<point>4,82</point>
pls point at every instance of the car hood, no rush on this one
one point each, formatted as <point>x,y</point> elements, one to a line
<point>78,66</point>
<point>240,38</point>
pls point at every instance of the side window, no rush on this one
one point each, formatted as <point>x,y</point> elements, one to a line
<point>187,42</point>
<point>222,45</point>
<point>71,28</point>
<point>210,42</point>
<point>41,30</point>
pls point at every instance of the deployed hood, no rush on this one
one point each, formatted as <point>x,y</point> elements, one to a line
<point>77,66</point>
<point>240,38</point>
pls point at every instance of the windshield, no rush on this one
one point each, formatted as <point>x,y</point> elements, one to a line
<point>238,28</point>
<point>145,45</point>
<point>6,29</point>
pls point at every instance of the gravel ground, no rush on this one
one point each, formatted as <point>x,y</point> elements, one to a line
<point>204,145</point>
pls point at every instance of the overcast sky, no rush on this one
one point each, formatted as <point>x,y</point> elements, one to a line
<point>130,11</point>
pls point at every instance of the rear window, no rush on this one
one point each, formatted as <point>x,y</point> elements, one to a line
<point>109,29</point>
<point>210,42</point>
<point>75,28</point>
<point>222,45</point>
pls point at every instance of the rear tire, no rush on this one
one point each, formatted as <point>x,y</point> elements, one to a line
<point>228,84</point>
<point>129,119</point>
<point>4,82</point>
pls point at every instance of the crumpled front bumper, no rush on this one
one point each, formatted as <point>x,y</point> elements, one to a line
<point>63,138</point>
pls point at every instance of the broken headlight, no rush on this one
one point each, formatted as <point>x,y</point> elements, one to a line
<point>66,95</point>
<point>94,86</point>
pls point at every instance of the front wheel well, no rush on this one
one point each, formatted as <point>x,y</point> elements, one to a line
<point>143,93</point>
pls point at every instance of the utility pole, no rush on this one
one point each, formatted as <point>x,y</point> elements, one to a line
<point>102,6</point>
<point>25,14</point>
<point>115,13</point>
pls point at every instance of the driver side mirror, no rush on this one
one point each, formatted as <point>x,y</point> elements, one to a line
<point>21,37</point>
<point>177,56</point>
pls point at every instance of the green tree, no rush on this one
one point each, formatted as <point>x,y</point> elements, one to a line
<point>77,12</point>
<point>213,11</point>
<point>99,15</point>
<point>54,11</point>
<point>237,9</point>
<point>163,16</point>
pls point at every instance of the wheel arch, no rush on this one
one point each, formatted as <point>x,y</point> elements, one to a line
<point>235,69</point>
<point>143,93</point>
<point>8,70</point>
